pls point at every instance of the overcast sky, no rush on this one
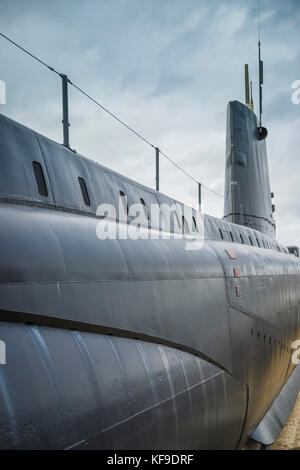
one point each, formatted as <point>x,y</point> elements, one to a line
<point>168,68</point>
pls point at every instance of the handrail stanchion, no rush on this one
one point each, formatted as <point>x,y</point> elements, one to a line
<point>65,104</point>
<point>199,196</point>
<point>157,168</point>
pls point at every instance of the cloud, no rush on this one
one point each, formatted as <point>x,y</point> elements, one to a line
<point>168,69</point>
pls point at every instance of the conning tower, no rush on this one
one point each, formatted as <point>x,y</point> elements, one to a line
<point>248,199</point>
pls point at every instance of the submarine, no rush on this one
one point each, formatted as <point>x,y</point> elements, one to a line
<point>115,343</point>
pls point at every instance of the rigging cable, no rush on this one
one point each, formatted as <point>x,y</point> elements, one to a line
<point>52,69</point>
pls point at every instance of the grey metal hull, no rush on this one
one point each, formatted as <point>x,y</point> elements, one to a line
<point>92,391</point>
<point>123,344</point>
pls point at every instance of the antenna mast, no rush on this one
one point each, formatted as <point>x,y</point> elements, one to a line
<point>247,93</point>
<point>261,81</point>
<point>262,131</point>
<point>251,98</point>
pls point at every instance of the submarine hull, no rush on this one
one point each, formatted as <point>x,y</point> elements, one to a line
<point>81,390</point>
<point>131,344</point>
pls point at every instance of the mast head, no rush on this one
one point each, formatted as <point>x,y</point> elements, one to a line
<point>262,133</point>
